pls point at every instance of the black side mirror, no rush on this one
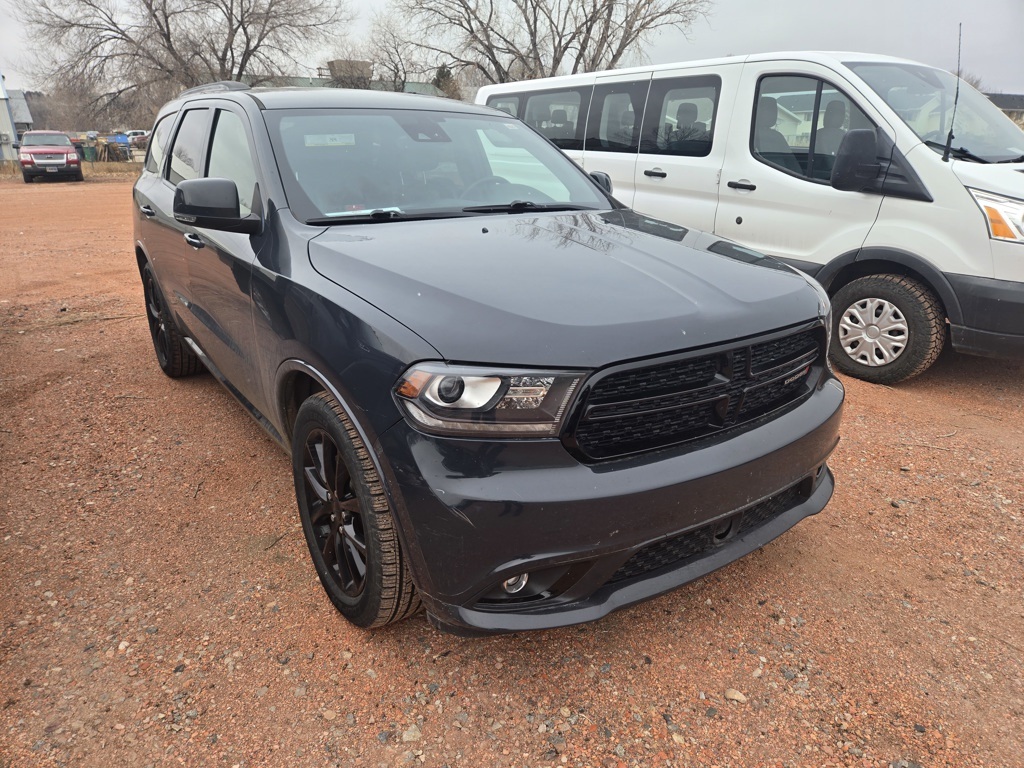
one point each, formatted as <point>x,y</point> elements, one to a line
<point>603,180</point>
<point>856,164</point>
<point>213,204</point>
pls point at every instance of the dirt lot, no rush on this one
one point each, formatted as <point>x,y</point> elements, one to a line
<point>158,607</point>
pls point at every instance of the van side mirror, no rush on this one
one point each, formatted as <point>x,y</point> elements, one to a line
<point>213,204</point>
<point>603,180</point>
<point>856,164</point>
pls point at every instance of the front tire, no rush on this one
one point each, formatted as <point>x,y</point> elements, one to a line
<point>346,518</point>
<point>886,328</point>
<point>174,356</point>
<point>26,178</point>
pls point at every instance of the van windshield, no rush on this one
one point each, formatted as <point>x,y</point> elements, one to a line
<point>923,98</point>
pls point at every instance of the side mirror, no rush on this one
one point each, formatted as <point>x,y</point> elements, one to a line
<point>856,164</point>
<point>603,180</point>
<point>213,204</point>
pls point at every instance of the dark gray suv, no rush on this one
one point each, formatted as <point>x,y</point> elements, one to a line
<point>507,398</point>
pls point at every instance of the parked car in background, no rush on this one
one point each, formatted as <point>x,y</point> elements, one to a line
<point>50,154</point>
<point>506,396</point>
<point>840,164</point>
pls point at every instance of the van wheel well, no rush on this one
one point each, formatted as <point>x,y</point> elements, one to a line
<point>296,389</point>
<point>140,258</point>
<point>868,267</point>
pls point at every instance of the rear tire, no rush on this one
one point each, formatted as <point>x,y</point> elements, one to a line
<point>886,328</point>
<point>174,356</point>
<point>345,515</point>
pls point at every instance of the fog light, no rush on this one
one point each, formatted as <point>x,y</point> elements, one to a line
<point>516,583</point>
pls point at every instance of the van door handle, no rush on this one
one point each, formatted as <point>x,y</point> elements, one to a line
<point>656,173</point>
<point>147,210</point>
<point>194,240</point>
<point>742,185</point>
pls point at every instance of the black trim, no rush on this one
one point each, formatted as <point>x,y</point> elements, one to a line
<point>993,316</point>
<point>827,273</point>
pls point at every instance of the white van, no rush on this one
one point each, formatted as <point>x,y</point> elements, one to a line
<point>835,163</point>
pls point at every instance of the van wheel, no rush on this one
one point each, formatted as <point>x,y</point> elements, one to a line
<point>347,520</point>
<point>886,328</point>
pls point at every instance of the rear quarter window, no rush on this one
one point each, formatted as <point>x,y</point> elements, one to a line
<point>158,143</point>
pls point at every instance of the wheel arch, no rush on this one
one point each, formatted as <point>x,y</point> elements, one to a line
<point>880,261</point>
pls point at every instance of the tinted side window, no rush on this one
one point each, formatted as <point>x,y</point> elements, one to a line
<point>559,115</point>
<point>158,144</point>
<point>680,117</point>
<point>187,151</point>
<point>505,103</point>
<point>230,157</point>
<point>614,121</point>
<point>799,123</point>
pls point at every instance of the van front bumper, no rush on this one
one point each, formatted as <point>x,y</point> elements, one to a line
<point>594,538</point>
<point>993,316</point>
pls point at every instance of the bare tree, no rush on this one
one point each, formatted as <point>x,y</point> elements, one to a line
<point>973,80</point>
<point>120,48</point>
<point>392,54</point>
<point>508,40</point>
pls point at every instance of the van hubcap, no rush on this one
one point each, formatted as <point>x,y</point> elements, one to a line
<point>873,332</point>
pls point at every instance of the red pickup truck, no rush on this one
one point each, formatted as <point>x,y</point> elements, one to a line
<point>48,153</point>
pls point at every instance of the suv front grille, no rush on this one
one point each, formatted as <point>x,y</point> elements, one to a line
<point>654,406</point>
<point>675,551</point>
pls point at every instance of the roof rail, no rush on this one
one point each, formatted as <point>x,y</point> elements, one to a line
<point>223,85</point>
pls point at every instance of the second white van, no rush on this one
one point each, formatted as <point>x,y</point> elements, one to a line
<point>839,164</point>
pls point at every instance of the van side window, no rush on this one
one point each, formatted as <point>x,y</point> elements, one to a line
<point>799,123</point>
<point>680,117</point>
<point>615,112</point>
<point>559,115</point>
<point>505,103</point>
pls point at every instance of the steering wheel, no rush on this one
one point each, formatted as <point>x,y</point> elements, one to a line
<point>491,182</point>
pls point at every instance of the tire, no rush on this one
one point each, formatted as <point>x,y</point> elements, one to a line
<point>347,520</point>
<point>27,178</point>
<point>886,328</point>
<point>175,357</point>
<point>80,176</point>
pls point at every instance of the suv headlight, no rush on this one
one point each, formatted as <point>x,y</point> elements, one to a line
<point>1005,215</point>
<point>476,401</point>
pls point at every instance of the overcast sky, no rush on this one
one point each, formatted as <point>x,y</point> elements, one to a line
<point>924,30</point>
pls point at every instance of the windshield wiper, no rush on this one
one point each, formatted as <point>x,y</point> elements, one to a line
<point>1019,159</point>
<point>961,152</point>
<point>527,205</point>
<point>382,214</point>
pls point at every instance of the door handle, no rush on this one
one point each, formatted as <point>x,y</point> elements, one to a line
<point>194,240</point>
<point>742,185</point>
<point>657,173</point>
<point>147,210</point>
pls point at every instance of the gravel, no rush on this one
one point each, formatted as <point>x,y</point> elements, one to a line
<point>154,576</point>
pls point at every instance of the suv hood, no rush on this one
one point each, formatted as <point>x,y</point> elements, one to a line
<point>562,290</point>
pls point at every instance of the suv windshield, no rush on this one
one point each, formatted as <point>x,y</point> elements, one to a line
<point>354,164</point>
<point>923,98</point>
<point>45,140</point>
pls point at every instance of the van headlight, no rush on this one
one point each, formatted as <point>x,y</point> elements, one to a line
<point>476,401</point>
<point>1005,215</point>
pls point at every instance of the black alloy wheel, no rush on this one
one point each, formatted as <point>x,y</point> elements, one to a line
<point>334,514</point>
<point>346,518</point>
<point>174,356</point>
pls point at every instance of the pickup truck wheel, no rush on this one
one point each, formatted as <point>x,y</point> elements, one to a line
<point>175,357</point>
<point>886,328</point>
<point>27,178</point>
<point>347,520</point>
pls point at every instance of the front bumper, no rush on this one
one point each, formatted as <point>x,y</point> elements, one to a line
<point>52,171</point>
<point>475,513</point>
<point>993,316</point>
